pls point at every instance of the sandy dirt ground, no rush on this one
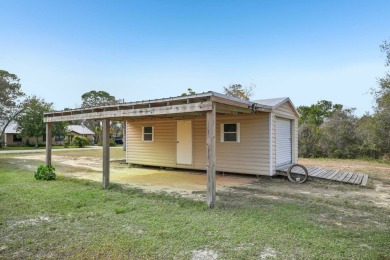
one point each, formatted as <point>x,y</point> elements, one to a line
<point>150,179</point>
<point>193,183</point>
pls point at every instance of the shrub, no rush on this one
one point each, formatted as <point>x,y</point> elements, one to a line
<point>45,172</point>
<point>112,143</point>
<point>80,141</point>
<point>29,144</point>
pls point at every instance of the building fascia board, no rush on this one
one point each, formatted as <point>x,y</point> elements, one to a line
<point>283,101</point>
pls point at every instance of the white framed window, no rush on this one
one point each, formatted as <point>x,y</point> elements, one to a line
<point>230,132</point>
<point>148,133</point>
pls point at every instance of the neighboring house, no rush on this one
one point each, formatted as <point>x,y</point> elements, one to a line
<point>12,135</point>
<point>80,130</point>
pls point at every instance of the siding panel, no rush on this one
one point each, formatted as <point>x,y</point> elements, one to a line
<point>250,156</point>
<point>285,111</point>
<point>160,152</point>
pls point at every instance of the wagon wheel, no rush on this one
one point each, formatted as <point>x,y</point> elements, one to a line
<point>297,176</point>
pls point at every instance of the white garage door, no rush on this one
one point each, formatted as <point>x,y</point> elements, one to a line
<point>283,142</point>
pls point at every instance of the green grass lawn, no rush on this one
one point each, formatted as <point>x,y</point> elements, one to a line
<point>70,218</point>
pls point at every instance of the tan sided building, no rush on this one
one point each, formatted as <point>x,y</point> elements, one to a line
<point>207,131</point>
<point>251,143</point>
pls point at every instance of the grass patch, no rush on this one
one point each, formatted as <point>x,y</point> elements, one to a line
<point>16,148</point>
<point>120,210</point>
<point>72,218</point>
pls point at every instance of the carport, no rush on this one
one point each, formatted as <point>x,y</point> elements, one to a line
<point>209,103</point>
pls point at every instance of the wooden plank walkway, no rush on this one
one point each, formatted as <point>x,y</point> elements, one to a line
<point>328,174</point>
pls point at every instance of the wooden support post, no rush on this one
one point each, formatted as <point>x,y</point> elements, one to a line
<point>210,148</point>
<point>48,143</point>
<point>124,125</point>
<point>106,152</point>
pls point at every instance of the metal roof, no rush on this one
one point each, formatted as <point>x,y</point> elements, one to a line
<point>80,129</point>
<point>12,128</point>
<point>273,103</point>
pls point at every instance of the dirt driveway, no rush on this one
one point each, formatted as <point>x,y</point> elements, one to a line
<point>193,183</point>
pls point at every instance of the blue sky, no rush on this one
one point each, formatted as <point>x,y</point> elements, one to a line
<point>135,50</point>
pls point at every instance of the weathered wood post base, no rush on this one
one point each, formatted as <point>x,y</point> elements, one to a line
<point>48,143</point>
<point>210,150</point>
<point>106,153</point>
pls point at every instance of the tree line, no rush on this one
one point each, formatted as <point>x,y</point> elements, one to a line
<point>330,130</point>
<point>28,111</point>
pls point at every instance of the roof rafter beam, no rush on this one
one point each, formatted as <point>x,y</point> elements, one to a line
<point>228,109</point>
<point>140,112</point>
<point>229,102</point>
